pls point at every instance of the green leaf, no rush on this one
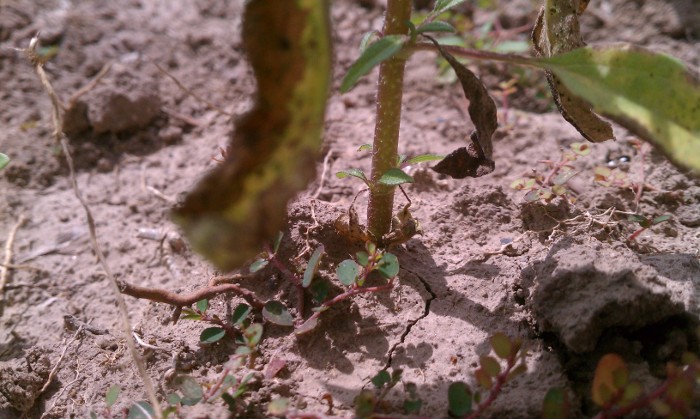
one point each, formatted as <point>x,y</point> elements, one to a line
<point>364,404</point>
<point>395,177</point>
<point>367,38</point>
<point>276,313</point>
<point>253,334</point>
<point>191,390</point>
<point>653,95</point>
<point>112,394</point>
<point>441,6</point>
<point>230,401</point>
<point>365,147</point>
<point>501,345</point>
<point>381,379</point>
<point>459,398</point>
<point>257,265</point>
<point>563,177</point>
<point>412,406</point>
<point>556,404</point>
<point>319,291</point>
<point>362,258</point>
<point>388,266</point>
<point>312,266</point>
<point>490,365</point>
<point>141,410</point>
<point>377,52</point>
<point>173,398</point>
<point>352,172</point>
<point>347,272</point>
<point>423,158</point>
<point>3,160</point>
<point>437,26</point>
<point>211,335</point>
<point>202,305</point>
<point>240,313</point>
<point>660,219</point>
<point>276,243</point>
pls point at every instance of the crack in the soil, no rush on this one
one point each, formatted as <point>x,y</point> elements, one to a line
<point>412,323</point>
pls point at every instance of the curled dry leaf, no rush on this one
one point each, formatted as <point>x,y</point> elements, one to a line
<point>557,31</point>
<point>241,204</point>
<point>475,160</point>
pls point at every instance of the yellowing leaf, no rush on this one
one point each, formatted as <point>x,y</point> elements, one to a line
<point>557,31</point>
<point>242,203</point>
<point>607,377</point>
<point>653,95</point>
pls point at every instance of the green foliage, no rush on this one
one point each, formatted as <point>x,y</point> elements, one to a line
<point>239,314</point>
<point>347,272</point>
<point>276,313</point>
<point>378,51</point>
<point>191,390</point>
<point>141,410</point>
<point>354,173</point>
<point>395,177</point>
<point>653,95</point>
<point>556,404</point>
<point>312,266</point>
<point>112,395</point>
<point>211,335</point>
<point>4,160</point>
<point>459,398</point>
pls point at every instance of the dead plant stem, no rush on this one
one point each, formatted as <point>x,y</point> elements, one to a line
<point>62,140</point>
<point>5,267</point>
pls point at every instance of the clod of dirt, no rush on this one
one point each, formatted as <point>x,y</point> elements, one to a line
<point>20,384</point>
<point>124,102</point>
<point>583,289</point>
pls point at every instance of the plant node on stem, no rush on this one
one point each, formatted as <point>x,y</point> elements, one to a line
<point>386,132</point>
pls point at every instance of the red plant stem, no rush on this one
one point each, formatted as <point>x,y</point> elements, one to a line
<point>181,300</point>
<point>646,399</point>
<point>218,384</point>
<point>353,291</point>
<point>636,234</point>
<point>501,380</point>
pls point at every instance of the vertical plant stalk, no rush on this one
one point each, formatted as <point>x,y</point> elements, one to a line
<point>386,131</point>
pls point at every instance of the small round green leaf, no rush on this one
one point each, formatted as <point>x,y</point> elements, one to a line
<point>501,345</point>
<point>459,398</point>
<point>253,334</point>
<point>379,51</point>
<point>395,177</point>
<point>4,160</point>
<point>660,219</point>
<point>257,265</point>
<point>362,258</point>
<point>436,26</point>
<point>312,266</point>
<point>382,378</point>
<point>191,390</point>
<point>490,365</point>
<point>347,272</point>
<point>278,407</point>
<point>276,313</point>
<point>365,147</point>
<point>240,313</point>
<point>309,325</point>
<point>354,173</point>
<point>202,305</point>
<point>112,394</point>
<point>556,404</point>
<point>388,266</point>
<point>211,335</point>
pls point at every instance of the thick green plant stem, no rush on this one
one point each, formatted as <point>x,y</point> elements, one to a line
<point>386,132</point>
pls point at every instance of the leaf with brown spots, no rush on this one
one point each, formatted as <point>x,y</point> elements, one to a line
<point>242,203</point>
<point>557,31</point>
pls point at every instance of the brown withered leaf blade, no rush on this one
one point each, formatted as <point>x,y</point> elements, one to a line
<point>241,204</point>
<point>482,108</point>
<point>464,162</point>
<point>557,31</point>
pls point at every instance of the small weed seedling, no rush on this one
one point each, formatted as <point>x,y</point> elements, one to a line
<point>617,396</point>
<point>4,160</point>
<point>546,188</point>
<point>645,223</point>
<point>490,377</point>
<point>369,402</point>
